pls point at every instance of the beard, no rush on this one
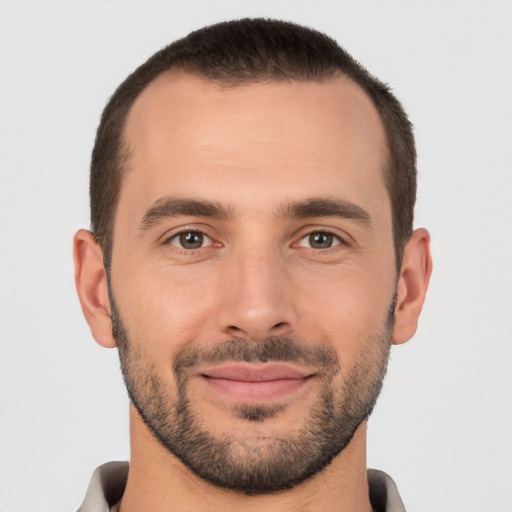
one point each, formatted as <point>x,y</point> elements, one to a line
<point>262,463</point>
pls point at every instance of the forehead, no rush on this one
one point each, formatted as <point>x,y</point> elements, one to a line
<point>188,135</point>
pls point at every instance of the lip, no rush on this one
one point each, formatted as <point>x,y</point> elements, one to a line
<point>251,383</point>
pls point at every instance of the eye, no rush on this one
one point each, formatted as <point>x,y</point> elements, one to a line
<point>190,240</point>
<point>320,240</point>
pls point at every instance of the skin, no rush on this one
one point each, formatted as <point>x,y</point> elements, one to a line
<point>253,150</point>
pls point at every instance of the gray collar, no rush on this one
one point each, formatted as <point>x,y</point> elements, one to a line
<point>106,487</point>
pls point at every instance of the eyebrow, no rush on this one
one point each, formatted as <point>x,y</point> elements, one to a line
<point>169,207</point>
<point>325,207</point>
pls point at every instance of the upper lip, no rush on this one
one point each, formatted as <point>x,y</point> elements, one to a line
<point>253,373</point>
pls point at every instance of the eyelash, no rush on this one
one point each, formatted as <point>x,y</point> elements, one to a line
<point>169,240</point>
<point>337,240</point>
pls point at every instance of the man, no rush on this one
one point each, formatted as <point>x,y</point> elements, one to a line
<point>252,257</point>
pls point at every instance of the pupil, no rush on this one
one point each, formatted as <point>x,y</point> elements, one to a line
<point>320,240</point>
<point>191,240</point>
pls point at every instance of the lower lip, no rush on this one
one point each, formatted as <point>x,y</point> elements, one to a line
<point>256,391</point>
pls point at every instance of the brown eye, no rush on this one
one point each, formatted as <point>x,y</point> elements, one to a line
<point>320,240</point>
<point>190,240</point>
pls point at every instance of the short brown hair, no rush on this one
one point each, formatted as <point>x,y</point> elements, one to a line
<point>241,52</point>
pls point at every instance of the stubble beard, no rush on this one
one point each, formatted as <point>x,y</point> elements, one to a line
<point>259,464</point>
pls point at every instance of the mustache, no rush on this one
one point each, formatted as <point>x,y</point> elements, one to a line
<point>273,348</point>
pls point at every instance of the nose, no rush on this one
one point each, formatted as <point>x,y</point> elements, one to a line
<point>256,298</point>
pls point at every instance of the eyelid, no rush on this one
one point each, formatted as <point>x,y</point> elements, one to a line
<point>207,241</point>
<point>342,237</point>
<point>165,238</point>
<point>337,239</point>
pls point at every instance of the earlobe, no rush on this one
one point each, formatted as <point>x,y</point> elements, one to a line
<point>412,285</point>
<point>91,285</point>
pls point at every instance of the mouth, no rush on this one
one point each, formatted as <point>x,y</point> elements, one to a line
<point>250,383</point>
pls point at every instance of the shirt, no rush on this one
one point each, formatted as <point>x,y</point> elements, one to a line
<point>109,480</point>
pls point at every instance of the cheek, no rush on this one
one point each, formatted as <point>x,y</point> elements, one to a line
<point>345,305</point>
<point>173,306</point>
<point>162,306</point>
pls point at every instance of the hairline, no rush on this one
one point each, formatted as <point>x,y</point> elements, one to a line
<point>125,152</point>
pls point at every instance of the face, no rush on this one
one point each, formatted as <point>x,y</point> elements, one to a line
<point>253,275</point>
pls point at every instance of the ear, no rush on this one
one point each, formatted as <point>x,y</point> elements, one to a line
<point>412,285</point>
<point>91,285</point>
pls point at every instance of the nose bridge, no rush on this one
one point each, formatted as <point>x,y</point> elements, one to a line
<point>256,301</point>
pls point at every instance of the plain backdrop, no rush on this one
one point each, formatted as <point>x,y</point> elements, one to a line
<point>443,426</point>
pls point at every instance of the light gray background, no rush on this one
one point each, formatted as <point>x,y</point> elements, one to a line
<point>443,426</point>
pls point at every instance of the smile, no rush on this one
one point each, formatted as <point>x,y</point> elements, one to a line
<point>252,384</point>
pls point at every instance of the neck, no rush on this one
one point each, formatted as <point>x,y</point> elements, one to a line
<point>158,481</point>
